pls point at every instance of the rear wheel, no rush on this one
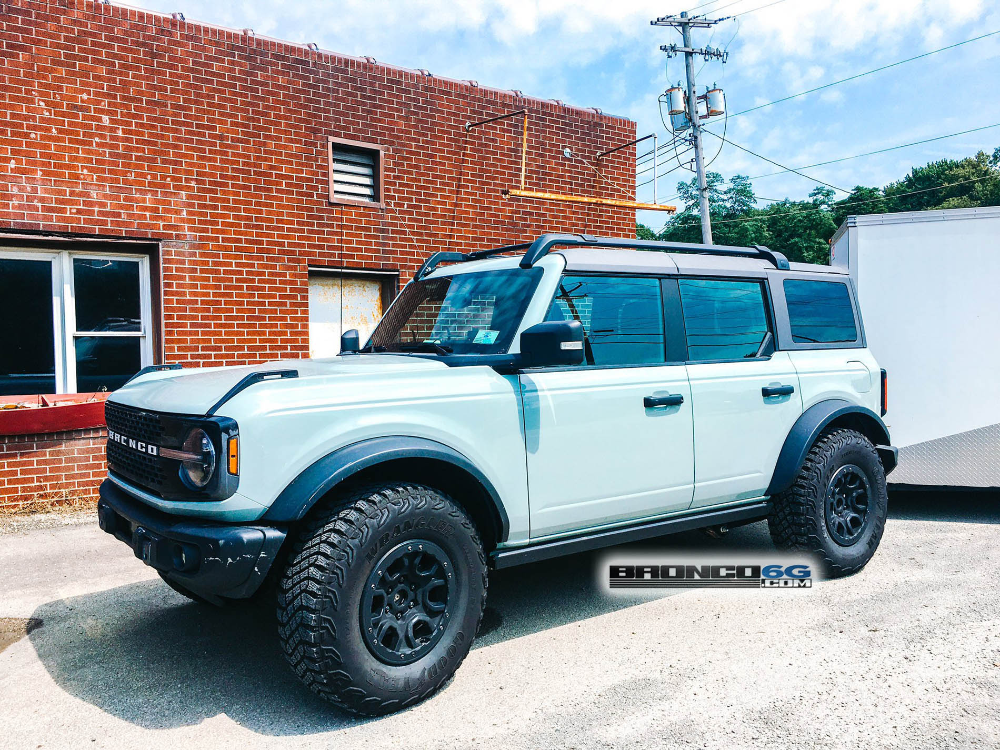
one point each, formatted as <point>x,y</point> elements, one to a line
<point>837,506</point>
<point>382,596</point>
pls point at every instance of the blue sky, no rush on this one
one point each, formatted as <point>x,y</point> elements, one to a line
<point>604,53</point>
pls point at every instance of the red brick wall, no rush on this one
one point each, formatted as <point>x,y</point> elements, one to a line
<point>39,471</point>
<point>213,142</point>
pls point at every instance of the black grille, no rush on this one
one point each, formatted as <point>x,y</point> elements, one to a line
<point>140,467</point>
<point>134,423</point>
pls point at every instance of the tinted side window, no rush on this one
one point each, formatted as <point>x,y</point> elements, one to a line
<point>622,317</point>
<point>820,312</point>
<point>724,319</point>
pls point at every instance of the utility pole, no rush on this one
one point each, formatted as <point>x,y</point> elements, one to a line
<point>685,24</point>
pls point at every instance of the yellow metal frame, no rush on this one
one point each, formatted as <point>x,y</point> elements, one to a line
<point>515,193</point>
<point>533,195</point>
<point>522,193</point>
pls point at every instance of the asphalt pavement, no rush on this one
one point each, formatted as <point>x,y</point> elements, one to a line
<point>905,654</point>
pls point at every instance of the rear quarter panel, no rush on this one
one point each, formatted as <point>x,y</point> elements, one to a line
<point>850,374</point>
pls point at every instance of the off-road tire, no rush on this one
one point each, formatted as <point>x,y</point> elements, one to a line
<point>798,519</point>
<point>321,591</point>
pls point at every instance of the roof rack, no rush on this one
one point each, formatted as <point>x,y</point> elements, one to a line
<point>543,245</point>
<point>445,256</point>
<point>535,251</point>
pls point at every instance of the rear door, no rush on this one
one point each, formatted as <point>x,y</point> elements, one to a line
<point>608,441</point>
<point>745,402</point>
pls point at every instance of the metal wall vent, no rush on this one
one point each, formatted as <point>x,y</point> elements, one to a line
<point>355,174</point>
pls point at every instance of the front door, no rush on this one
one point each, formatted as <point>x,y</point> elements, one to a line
<point>608,441</point>
<point>745,400</point>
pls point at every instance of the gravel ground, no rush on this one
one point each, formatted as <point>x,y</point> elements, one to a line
<point>905,654</point>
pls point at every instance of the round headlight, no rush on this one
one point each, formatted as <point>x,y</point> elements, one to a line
<point>197,472</point>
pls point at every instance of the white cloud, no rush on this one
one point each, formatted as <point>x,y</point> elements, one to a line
<point>604,53</point>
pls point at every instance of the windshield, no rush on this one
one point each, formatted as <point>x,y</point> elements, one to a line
<point>469,313</point>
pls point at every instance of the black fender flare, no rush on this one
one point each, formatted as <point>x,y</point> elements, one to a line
<point>303,492</point>
<point>811,424</point>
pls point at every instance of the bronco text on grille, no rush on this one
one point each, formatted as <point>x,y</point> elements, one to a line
<point>125,425</point>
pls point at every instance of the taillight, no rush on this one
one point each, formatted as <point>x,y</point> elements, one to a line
<point>885,393</point>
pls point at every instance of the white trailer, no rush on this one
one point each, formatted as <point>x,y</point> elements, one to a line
<point>929,288</point>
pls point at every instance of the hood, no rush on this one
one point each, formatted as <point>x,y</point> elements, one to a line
<point>197,390</point>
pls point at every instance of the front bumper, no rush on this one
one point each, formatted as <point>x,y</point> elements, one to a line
<point>211,559</point>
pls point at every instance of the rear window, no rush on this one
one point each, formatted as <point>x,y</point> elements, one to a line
<point>820,312</point>
<point>724,319</point>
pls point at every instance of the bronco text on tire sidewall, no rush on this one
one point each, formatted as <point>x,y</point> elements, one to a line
<point>329,636</point>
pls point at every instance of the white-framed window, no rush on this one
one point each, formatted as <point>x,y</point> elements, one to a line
<point>72,322</point>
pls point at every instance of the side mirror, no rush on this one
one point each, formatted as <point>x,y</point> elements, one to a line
<point>350,342</point>
<point>557,342</point>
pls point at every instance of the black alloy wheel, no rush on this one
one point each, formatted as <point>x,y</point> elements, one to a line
<point>405,606</point>
<point>848,496</point>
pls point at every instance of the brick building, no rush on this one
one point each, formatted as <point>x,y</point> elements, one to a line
<point>179,192</point>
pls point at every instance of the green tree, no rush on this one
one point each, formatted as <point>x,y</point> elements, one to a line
<point>862,200</point>
<point>738,198</point>
<point>642,232</point>
<point>802,229</point>
<point>947,183</point>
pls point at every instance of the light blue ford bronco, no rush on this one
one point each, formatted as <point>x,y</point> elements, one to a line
<point>517,404</point>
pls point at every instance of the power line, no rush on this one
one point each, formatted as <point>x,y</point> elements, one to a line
<point>858,202</point>
<point>754,10</point>
<point>710,2</point>
<point>640,161</point>
<point>866,73</point>
<point>649,168</point>
<point>835,83</point>
<point>664,174</point>
<point>721,8</point>
<point>881,150</point>
<point>869,153</point>
<point>772,161</point>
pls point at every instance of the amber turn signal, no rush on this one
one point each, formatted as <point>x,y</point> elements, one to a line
<point>234,455</point>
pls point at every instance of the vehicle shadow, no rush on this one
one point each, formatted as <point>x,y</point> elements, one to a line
<point>148,656</point>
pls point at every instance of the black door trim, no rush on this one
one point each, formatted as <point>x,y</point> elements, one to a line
<point>519,556</point>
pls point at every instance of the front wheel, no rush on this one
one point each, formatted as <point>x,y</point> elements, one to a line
<point>837,506</point>
<point>382,596</point>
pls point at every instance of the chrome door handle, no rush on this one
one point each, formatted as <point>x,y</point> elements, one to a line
<point>673,399</point>
<point>777,390</point>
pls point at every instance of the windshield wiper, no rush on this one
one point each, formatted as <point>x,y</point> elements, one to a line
<point>426,346</point>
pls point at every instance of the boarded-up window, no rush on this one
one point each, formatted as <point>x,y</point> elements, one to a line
<point>355,172</point>
<point>340,302</point>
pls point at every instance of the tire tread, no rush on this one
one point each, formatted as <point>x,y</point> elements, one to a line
<point>793,522</point>
<point>326,547</point>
